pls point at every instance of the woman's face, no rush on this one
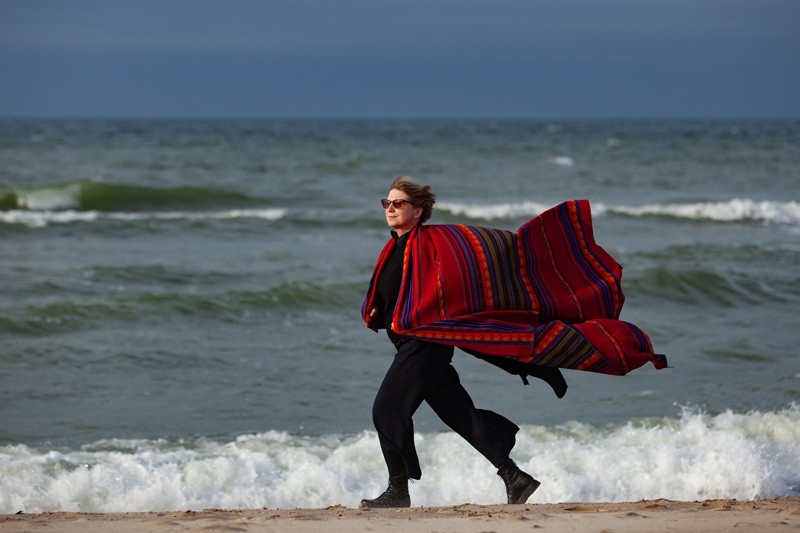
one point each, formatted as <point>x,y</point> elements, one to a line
<point>402,219</point>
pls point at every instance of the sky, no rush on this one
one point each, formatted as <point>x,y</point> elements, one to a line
<point>407,59</point>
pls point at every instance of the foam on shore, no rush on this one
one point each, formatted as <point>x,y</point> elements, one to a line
<point>694,456</point>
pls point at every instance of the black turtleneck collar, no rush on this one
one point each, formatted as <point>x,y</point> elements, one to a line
<point>399,239</point>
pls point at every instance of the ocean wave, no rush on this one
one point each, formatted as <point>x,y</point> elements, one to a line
<point>716,274</point>
<point>698,286</point>
<point>59,316</point>
<point>693,456</point>
<point>90,311</point>
<point>89,195</point>
<point>494,211</point>
<point>92,201</point>
<point>231,304</point>
<point>41,219</point>
<point>736,210</point>
<point>563,161</point>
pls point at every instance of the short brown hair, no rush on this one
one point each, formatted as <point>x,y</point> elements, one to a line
<point>421,195</point>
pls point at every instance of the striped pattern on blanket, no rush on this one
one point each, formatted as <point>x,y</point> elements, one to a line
<point>546,294</point>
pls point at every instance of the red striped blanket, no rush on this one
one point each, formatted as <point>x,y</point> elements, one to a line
<point>544,295</point>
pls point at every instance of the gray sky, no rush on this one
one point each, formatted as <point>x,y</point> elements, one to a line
<point>548,59</point>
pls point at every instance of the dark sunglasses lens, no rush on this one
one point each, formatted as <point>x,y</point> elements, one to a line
<point>398,204</point>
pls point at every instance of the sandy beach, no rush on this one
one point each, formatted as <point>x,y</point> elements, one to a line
<point>645,515</point>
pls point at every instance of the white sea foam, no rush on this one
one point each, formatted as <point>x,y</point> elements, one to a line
<point>694,456</point>
<point>40,219</point>
<point>736,210</point>
<point>494,211</point>
<point>563,161</point>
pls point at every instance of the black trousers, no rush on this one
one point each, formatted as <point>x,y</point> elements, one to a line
<point>422,371</point>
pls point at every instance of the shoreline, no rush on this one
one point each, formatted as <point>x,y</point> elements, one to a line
<point>650,515</point>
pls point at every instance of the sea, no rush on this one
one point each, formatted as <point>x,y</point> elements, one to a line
<point>180,326</point>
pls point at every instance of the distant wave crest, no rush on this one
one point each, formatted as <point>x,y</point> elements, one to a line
<point>494,211</point>
<point>735,210</point>
<point>40,219</point>
<point>90,201</point>
<point>89,195</point>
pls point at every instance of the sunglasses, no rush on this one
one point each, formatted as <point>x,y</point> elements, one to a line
<point>398,204</point>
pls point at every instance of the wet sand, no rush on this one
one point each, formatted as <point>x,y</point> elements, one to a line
<point>646,515</point>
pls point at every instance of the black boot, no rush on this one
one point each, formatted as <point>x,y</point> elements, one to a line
<point>519,485</point>
<point>396,495</point>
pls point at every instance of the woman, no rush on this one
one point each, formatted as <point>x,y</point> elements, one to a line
<point>421,371</point>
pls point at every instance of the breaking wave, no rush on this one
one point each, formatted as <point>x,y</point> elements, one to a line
<point>41,219</point>
<point>494,211</point>
<point>92,201</point>
<point>692,457</point>
<point>736,210</point>
<point>88,195</point>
